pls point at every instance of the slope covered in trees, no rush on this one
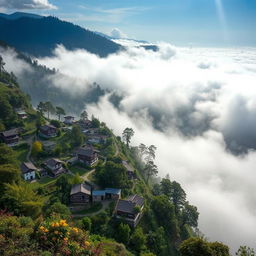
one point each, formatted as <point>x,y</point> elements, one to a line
<point>38,37</point>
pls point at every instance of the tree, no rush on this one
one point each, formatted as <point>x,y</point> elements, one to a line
<point>8,174</point>
<point>138,239</point>
<point>150,170</point>
<point>1,64</point>
<point>60,112</point>
<point>6,109</point>
<point>165,214</point>
<point>58,208</point>
<point>76,179</point>
<point>77,136</point>
<point>87,223</point>
<point>245,251</point>
<point>178,196</point>
<point>36,148</point>
<point>49,108</point>
<point>21,199</point>
<point>189,215</point>
<point>199,247</point>
<point>157,243</point>
<point>41,108</point>
<point>150,153</point>
<point>220,249</point>
<point>84,115</point>
<point>142,149</point>
<point>123,233</point>
<point>7,155</point>
<point>112,175</point>
<point>127,135</point>
<point>195,247</point>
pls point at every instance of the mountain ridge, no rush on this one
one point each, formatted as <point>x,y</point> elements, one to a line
<point>39,37</point>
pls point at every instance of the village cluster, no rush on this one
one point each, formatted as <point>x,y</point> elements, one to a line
<point>84,194</point>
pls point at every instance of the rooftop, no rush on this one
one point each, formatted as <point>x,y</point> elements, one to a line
<point>26,166</point>
<point>98,192</point>
<point>83,188</point>
<point>115,191</point>
<point>12,132</point>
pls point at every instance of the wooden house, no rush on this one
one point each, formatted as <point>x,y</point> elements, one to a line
<point>10,137</point>
<point>28,171</point>
<point>69,120</point>
<point>87,155</point>
<point>130,209</point>
<point>80,194</point>
<point>55,166</point>
<point>48,131</point>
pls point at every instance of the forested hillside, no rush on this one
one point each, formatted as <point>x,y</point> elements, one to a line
<point>37,216</point>
<point>39,37</point>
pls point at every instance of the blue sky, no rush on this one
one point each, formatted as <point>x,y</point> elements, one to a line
<point>181,22</point>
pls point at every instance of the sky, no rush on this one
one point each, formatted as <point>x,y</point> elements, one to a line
<point>180,22</point>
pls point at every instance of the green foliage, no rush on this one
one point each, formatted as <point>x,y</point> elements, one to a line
<point>76,179</point>
<point>138,239</point>
<point>127,134</point>
<point>60,112</point>
<point>122,233</point>
<point>199,247</point>
<point>156,242</point>
<point>58,208</point>
<point>95,123</point>
<point>76,136</point>
<point>55,123</point>
<point>87,223</point>
<point>165,213</point>
<point>7,155</point>
<point>112,175</point>
<point>245,251</point>
<point>21,199</point>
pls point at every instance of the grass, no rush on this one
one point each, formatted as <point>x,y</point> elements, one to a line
<point>77,169</point>
<point>94,208</point>
<point>21,152</point>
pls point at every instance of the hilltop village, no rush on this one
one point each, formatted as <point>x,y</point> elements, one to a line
<point>70,186</point>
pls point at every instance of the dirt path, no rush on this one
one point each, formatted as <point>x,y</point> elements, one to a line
<point>105,205</point>
<point>30,143</point>
<point>85,177</point>
<point>117,148</point>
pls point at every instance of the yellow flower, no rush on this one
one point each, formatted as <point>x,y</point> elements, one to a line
<point>75,230</point>
<point>46,230</point>
<point>65,239</point>
<point>53,225</point>
<point>86,243</point>
<point>41,228</point>
<point>57,224</point>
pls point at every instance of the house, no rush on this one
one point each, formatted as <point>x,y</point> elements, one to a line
<point>108,193</point>
<point>87,156</point>
<point>22,114</point>
<point>97,139</point>
<point>80,194</point>
<point>28,171</point>
<point>113,193</point>
<point>55,166</point>
<point>48,131</point>
<point>130,209</point>
<point>48,146</point>
<point>98,195</point>
<point>69,120</point>
<point>129,170</point>
<point>84,124</point>
<point>10,137</point>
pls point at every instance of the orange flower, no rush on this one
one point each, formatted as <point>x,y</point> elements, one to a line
<point>65,239</point>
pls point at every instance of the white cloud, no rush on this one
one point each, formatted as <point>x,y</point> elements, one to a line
<point>199,100</point>
<point>117,34</point>
<point>26,4</point>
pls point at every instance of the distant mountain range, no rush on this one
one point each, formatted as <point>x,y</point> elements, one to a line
<point>38,36</point>
<point>17,15</point>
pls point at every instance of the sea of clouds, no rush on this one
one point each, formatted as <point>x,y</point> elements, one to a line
<point>198,106</point>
